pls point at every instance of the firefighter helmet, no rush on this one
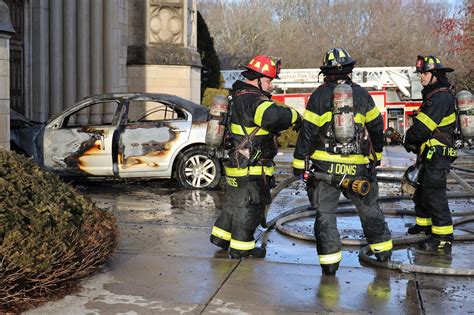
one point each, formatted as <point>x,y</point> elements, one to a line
<point>430,63</point>
<point>337,59</point>
<point>265,66</point>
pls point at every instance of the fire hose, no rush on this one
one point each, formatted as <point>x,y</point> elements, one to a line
<point>302,212</point>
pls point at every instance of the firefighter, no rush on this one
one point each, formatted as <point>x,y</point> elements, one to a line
<point>431,137</point>
<point>317,141</point>
<point>254,123</point>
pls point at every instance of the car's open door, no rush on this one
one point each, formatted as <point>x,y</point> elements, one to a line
<point>80,142</point>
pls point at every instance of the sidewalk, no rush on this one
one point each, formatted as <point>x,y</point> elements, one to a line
<point>165,264</point>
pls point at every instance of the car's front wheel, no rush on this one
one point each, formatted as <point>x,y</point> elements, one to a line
<point>196,169</point>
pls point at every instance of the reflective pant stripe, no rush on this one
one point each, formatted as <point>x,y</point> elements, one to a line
<point>239,245</point>
<point>423,221</point>
<point>442,230</point>
<point>381,247</point>
<point>330,259</point>
<point>251,170</point>
<point>337,158</point>
<point>220,233</point>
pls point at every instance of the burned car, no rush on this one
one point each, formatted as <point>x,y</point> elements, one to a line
<point>125,135</point>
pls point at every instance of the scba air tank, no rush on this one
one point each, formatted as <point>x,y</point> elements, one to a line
<point>466,113</point>
<point>215,128</point>
<point>344,126</point>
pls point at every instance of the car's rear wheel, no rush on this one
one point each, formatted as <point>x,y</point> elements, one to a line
<point>196,169</point>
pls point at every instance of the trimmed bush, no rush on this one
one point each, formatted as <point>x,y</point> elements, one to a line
<point>287,138</point>
<point>50,235</point>
<point>210,93</point>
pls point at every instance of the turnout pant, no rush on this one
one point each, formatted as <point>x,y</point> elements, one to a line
<point>246,198</point>
<point>328,244</point>
<point>431,203</point>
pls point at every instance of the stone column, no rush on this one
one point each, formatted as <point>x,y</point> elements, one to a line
<point>166,59</point>
<point>6,30</point>
<point>55,57</point>
<point>40,59</point>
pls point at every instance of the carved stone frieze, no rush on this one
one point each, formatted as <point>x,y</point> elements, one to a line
<point>166,23</point>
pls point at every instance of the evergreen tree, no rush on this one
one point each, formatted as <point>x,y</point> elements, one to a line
<point>211,69</point>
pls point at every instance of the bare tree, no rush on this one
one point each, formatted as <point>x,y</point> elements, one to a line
<point>376,32</point>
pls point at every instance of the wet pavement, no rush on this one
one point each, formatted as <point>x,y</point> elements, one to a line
<point>165,264</point>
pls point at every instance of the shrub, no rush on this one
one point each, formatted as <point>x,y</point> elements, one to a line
<point>50,235</point>
<point>210,93</point>
<point>287,138</point>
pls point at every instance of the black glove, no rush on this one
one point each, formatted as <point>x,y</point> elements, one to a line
<point>297,123</point>
<point>298,172</point>
<point>410,147</point>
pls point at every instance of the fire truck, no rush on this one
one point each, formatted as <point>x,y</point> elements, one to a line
<point>396,90</point>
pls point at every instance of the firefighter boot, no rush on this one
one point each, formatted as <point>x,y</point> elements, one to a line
<point>417,229</point>
<point>330,269</point>
<point>383,256</point>
<point>257,252</point>
<point>220,242</point>
<point>436,244</point>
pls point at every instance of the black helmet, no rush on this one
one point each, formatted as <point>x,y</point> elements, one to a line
<point>337,60</point>
<point>430,63</point>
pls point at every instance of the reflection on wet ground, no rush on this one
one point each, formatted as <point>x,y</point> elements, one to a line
<point>165,263</point>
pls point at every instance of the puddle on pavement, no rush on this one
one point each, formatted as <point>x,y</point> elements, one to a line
<point>156,203</point>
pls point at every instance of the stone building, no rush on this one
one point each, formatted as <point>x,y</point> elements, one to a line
<point>64,50</point>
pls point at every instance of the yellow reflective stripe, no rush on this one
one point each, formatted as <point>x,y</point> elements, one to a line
<point>372,114</point>
<point>242,245</point>
<point>220,233</point>
<point>316,119</point>
<point>431,143</point>
<point>381,247</point>
<point>260,111</point>
<point>298,164</point>
<point>257,170</point>
<point>337,158</point>
<point>447,120</point>
<point>237,130</point>
<point>442,230</point>
<point>426,120</point>
<point>294,115</point>
<point>378,155</point>
<point>423,221</point>
<point>330,259</point>
<point>359,118</point>
<point>251,170</point>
